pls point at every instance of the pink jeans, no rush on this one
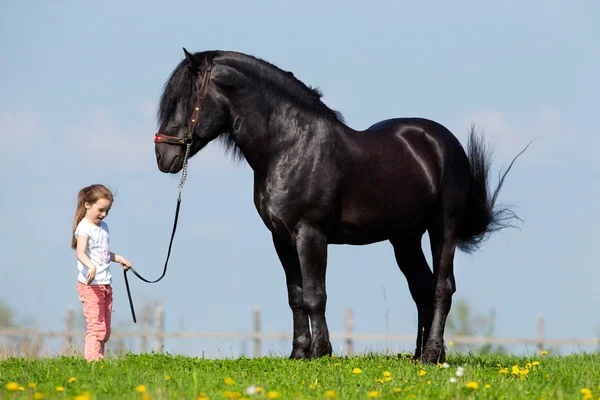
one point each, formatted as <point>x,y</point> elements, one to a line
<point>97,308</point>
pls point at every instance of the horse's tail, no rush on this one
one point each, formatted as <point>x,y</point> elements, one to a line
<point>482,215</point>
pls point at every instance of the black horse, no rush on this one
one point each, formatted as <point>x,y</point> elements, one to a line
<point>318,182</point>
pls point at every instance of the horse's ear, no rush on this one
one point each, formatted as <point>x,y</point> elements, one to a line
<point>192,60</point>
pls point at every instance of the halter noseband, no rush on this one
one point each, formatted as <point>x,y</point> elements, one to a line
<point>162,138</point>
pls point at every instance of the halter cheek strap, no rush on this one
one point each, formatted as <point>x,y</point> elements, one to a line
<point>162,138</point>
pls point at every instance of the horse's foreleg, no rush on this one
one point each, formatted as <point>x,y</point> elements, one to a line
<point>311,245</point>
<point>291,265</point>
<point>412,263</point>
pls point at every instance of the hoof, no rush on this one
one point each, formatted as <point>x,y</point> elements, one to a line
<point>299,354</point>
<point>320,350</point>
<point>433,355</point>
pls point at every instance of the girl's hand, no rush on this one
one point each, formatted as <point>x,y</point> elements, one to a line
<point>91,275</point>
<point>123,261</point>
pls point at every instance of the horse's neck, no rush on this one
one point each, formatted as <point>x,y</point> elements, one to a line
<point>264,138</point>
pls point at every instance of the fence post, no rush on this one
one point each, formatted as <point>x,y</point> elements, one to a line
<point>160,328</point>
<point>144,330</point>
<point>540,332</point>
<point>348,324</point>
<point>69,330</point>
<point>256,332</point>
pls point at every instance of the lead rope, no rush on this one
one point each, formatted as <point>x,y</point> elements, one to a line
<point>181,183</point>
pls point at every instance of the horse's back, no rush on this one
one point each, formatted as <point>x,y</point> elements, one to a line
<point>393,177</point>
<point>414,139</point>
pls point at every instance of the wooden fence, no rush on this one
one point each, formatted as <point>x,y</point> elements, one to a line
<point>256,336</point>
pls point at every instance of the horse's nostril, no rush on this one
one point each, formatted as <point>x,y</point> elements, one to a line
<point>157,155</point>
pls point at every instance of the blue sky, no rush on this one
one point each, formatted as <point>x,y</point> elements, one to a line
<point>80,82</point>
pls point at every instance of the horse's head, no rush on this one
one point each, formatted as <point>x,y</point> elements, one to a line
<point>190,112</point>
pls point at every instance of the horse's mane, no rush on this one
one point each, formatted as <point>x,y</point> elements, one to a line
<point>181,87</point>
<point>280,82</point>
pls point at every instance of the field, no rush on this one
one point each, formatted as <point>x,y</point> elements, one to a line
<point>158,376</point>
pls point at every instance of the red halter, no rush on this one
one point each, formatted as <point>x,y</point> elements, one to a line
<point>162,138</point>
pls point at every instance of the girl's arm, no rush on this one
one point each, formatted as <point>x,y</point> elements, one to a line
<point>84,259</point>
<point>80,252</point>
<point>120,259</point>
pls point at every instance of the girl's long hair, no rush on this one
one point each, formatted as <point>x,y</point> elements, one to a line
<point>89,194</point>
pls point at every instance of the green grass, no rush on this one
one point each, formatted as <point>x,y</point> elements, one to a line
<point>167,377</point>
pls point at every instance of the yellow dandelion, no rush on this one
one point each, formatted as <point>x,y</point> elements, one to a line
<point>515,370</point>
<point>60,389</point>
<point>260,389</point>
<point>273,395</point>
<point>141,389</point>
<point>12,386</point>
<point>422,372</point>
<point>544,352</point>
<point>330,394</point>
<point>440,365</point>
<point>387,378</point>
<point>451,344</point>
<point>429,382</point>
<point>231,395</point>
<point>379,366</point>
<point>397,390</point>
<point>503,371</point>
<point>202,398</point>
<point>587,394</point>
<point>528,365</point>
<point>313,385</point>
<point>334,356</point>
<point>524,371</point>
<point>472,385</point>
<point>357,370</point>
<point>336,364</point>
<point>31,385</point>
<point>535,363</point>
<point>38,396</point>
<point>167,378</point>
<point>387,374</point>
<point>72,379</point>
<point>379,380</point>
<point>21,388</point>
<point>229,381</point>
<point>83,396</point>
<point>373,394</point>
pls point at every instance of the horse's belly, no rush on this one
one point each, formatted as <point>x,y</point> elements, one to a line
<point>365,225</point>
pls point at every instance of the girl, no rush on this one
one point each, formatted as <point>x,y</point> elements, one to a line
<point>91,244</point>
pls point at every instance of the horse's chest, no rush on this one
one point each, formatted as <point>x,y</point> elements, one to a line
<point>275,208</point>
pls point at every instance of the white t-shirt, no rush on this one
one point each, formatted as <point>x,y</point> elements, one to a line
<point>97,250</point>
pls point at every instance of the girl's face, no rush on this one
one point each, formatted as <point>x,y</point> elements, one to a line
<point>98,211</point>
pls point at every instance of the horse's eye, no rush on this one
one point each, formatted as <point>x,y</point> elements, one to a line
<point>173,127</point>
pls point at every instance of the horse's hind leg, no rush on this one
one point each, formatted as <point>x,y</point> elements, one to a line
<point>293,275</point>
<point>412,263</point>
<point>443,245</point>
